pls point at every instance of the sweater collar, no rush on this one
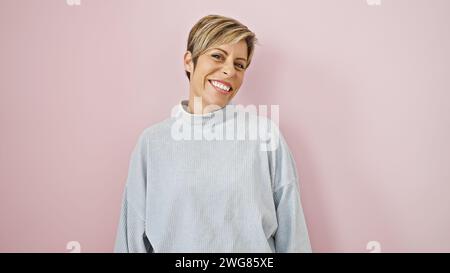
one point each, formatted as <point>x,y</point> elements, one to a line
<point>216,116</point>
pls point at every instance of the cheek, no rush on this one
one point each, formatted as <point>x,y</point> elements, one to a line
<point>240,80</point>
<point>210,67</point>
<point>204,71</point>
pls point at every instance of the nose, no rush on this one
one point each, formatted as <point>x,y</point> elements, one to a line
<point>228,69</point>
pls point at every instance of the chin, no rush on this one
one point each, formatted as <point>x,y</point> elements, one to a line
<point>217,102</point>
<point>214,99</point>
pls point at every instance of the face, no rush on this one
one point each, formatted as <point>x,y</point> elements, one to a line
<point>218,74</point>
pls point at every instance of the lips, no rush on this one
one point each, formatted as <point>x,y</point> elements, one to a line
<point>220,90</point>
<point>222,82</point>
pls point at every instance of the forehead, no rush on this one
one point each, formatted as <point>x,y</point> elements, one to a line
<point>238,49</point>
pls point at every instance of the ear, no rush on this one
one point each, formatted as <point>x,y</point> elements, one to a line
<point>188,63</point>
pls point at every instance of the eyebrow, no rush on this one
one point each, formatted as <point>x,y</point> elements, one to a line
<point>227,54</point>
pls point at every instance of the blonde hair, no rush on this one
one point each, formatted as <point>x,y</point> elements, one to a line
<point>214,30</point>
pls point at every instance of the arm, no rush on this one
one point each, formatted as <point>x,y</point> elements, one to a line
<point>131,229</point>
<point>292,232</point>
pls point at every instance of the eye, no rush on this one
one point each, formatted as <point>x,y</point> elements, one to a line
<point>241,66</point>
<point>216,56</point>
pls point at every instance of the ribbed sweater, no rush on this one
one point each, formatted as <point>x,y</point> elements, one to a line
<point>211,195</point>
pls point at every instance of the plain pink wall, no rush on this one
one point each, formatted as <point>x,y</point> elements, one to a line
<point>364,105</point>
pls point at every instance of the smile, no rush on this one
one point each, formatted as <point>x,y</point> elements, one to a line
<point>222,88</point>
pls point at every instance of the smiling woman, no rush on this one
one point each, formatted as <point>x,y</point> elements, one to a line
<point>224,195</point>
<point>219,51</point>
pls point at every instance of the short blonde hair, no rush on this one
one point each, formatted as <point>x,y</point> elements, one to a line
<point>214,30</point>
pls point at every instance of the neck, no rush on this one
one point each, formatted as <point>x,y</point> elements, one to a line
<point>196,105</point>
<point>213,117</point>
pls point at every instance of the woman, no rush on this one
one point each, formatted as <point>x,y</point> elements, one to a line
<point>187,192</point>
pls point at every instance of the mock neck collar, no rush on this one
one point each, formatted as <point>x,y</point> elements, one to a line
<point>215,116</point>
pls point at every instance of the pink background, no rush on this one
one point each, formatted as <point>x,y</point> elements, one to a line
<point>364,105</point>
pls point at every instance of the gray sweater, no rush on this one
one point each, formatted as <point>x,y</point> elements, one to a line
<point>186,193</point>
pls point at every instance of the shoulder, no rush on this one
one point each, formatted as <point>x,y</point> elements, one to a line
<point>256,115</point>
<point>156,130</point>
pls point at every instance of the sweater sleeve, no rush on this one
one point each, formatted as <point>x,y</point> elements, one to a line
<point>292,232</point>
<point>131,235</point>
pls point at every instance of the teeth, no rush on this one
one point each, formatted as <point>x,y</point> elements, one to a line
<point>221,86</point>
